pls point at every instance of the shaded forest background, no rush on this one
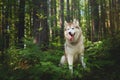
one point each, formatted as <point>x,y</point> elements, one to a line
<point>31,39</point>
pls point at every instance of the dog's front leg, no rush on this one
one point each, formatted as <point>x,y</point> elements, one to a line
<point>82,61</point>
<point>70,62</point>
<point>63,60</point>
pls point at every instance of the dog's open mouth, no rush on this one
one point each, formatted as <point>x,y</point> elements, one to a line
<point>71,36</point>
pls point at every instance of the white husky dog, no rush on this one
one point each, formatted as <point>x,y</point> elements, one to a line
<point>74,47</point>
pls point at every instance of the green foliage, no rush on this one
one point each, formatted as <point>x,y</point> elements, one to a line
<point>31,63</point>
<point>103,59</point>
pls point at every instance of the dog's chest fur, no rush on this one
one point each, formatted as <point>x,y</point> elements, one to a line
<point>74,49</point>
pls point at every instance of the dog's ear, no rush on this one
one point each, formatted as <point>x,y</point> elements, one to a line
<point>65,23</point>
<point>76,22</point>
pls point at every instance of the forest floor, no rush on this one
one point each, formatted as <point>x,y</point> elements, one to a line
<point>33,64</point>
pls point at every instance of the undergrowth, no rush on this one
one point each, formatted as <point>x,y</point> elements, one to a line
<point>31,63</point>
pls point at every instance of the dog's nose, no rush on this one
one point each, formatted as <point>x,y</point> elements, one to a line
<point>70,33</point>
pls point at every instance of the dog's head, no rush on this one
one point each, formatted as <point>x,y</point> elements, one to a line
<point>72,30</point>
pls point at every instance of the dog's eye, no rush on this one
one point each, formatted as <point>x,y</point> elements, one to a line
<point>77,27</point>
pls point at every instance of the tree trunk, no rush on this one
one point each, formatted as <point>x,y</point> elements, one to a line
<point>62,21</point>
<point>117,12</point>
<point>112,26</point>
<point>68,11</point>
<point>21,25</point>
<point>44,33</point>
<point>118,8</point>
<point>4,33</point>
<point>103,29</point>
<point>95,20</point>
<point>88,19</point>
<point>54,21</point>
<point>36,20</point>
<point>41,29</point>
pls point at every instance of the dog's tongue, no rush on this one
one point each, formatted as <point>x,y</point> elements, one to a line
<point>70,37</point>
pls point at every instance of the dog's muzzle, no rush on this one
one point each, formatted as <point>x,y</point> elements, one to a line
<point>71,36</point>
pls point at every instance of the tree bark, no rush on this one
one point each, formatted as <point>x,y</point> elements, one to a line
<point>68,11</point>
<point>103,16</point>
<point>61,21</point>
<point>95,20</point>
<point>41,29</point>
<point>21,25</point>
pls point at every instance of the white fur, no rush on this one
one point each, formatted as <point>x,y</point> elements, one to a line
<point>74,50</point>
